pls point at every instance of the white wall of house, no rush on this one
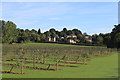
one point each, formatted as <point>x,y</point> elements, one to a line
<point>89,39</point>
<point>54,39</point>
<point>72,41</point>
<point>51,39</point>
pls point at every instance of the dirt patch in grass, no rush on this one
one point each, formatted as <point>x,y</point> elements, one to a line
<point>8,72</point>
<point>53,64</point>
<point>37,68</point>
<point>81,60</point>
<point>73,63</point>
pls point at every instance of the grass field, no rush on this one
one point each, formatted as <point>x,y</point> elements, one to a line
<point>101,65</point>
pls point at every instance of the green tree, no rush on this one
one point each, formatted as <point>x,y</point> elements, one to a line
<point>85,34</point>
<point>107,38</point>
<point>114,37</point>
<point>9,33</point>
<point>117,40</point>
<point>99,40</point>
<point>69,32</point>
<point>79,35</point>
<point>64,30</point>
<point>81,38</point>
<point>53,33</point>
<point>52,30</point>
<point>47,33</point>
<point>35,38</point>
<point>94,38</point>
<point>2,26</point>
<point>76,31</point>
<point>43,37</point>
<point>39,31</point>
<point>22,36</point>
<point>33,31</point>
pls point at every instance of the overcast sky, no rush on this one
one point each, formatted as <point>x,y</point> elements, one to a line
<point>90,17</point>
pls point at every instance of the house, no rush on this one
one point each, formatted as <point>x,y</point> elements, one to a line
<point>71,41</point>
<point>62,37</point>
<point>72,38</point>
<point>51,39</point>
<point>88,38</point>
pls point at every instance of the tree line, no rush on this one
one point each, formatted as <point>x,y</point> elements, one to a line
<point>11,34</point>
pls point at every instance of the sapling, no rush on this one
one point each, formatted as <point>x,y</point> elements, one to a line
<point>57,61</point>
<point>22,67</point>
<point>34,61</point>
<point>68,58</point>
<point>77,59</point>
<point>19,54</point>
<point>44,59</point>
<point>84,59</point>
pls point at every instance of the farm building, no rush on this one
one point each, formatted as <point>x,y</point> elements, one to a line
<point>88,38</point>
<point>51,39</point>
<point>72,38</point>
<point>71,41</point>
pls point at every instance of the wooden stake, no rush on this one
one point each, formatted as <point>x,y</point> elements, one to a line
<point>77,59</point>
<point>17,61</point>
<point>84,60</point>
<point>65,58</point>
<point>22,67</point>
<point>44,59</point>
<point>68,58</point>
<point>56,64</point>
<point>34,61</point>
<point>48,67</point>
<point>39,59</point>
<point>11,68</point>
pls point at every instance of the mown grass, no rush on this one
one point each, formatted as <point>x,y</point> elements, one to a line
<point>103,64</point>
<point>56,44</point>
<point>103,67</point>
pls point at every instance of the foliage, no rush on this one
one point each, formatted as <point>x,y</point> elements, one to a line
<point>12,34</point>
<point>107,61</point>
<point>39,31</point>
<point>115,37</point>
<point>9,32</point>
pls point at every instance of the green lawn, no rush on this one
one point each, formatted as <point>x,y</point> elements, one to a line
<point>100,67</point>
<point>56,44</point>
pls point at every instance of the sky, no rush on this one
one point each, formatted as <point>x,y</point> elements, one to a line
<point>89,17</point>
<point>60,0</point>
